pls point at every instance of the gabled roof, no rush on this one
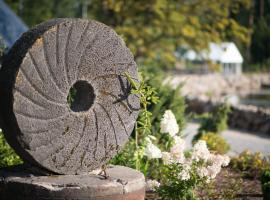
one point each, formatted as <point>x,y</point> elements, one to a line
<point>11,26</point>
<point>225,52</point>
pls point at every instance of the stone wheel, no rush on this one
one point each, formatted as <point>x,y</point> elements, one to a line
<point>65,103</point>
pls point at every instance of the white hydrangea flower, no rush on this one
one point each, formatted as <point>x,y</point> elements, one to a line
<point>152,185</point>
<point>166,158</point>
<point>202,172</point>
<point>179,142</point>
<point>184,174</point>
<point>188,161</point>
<point>213,170</point>
<point>169,124</point>
<point>220,160</point>
<point>152,151</point>
<point>177,150</point>
<point>215,159</point>
<point>200,151</point>
<point>226,161</point>
<point>0,130</point>
<point>178,157</point>
<point>148,140</point>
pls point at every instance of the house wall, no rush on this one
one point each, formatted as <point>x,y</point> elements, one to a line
<point>232,68</point>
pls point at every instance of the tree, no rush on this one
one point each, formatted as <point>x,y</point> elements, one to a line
<point>152,29</point>
<point>260,48</point>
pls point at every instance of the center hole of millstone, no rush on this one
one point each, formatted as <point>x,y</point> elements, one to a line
<point>81,96</point>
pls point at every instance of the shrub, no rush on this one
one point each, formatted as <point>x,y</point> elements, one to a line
<point>159,98</point>
<point>265,181</point>
<point>157,150</point>
<point>169,99</point>
<point>7,155</point>
<point>214,122</point>
<point>250,164</point>
<point>216,143</point>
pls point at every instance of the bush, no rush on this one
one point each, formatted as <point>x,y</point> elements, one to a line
<point>7,155</point>
<point>250,164</point>
<point>216,143</point>
<point>265,181</point>
<point>169,99</point>
<point>214,122</point>
<point>160,98</point>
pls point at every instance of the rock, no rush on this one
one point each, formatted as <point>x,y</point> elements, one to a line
<point>46,125</point>
<point>17,183</point>
<point>245,117</point>
<point>216,86</point>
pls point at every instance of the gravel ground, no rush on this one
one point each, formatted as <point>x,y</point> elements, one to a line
<point>239,140</point>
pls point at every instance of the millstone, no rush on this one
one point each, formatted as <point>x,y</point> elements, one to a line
<point>48,127</point>
<point>123,183</point>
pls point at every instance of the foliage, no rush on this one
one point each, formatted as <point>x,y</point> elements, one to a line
<point>214,122</point>
<point>265,181</point>
<point>250,164</point>
<point>182,174</point>
<point>154,100</point>
<point>258,21</point>
<point>260,45</point>
<point>35,12</point>
<point>132,154</point>
<point>169,99</point>
<point>152,29</point>
<point>7,155</point>
<point>181,171</point>
<point>228,191</point>
<point>71,96</point>
<point>216,142</point>
<point>164,25</point>
<point>173,188</point>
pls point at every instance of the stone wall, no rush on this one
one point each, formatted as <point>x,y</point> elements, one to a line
<point>216,86</point>
<point>204,92</point>
<point>244,117</point>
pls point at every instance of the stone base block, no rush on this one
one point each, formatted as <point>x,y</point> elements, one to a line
<point>122,183</point>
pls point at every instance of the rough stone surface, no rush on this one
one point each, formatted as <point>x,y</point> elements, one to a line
<point>35,80</point>
<point>218,86</point>
<point>244,117</point>
<point>123,183</point>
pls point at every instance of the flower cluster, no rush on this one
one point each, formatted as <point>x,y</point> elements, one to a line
<point>207,165</point>
<point>176,154</point>
<point>215,162</point>
<point>169,124</point>
<point>198,162</point>
<point>151,150</point>
<point>152,185</point>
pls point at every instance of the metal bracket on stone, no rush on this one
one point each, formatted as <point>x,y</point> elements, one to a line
<point>65,103</point>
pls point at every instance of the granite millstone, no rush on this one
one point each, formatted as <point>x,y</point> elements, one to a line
<point>48,127</point>
<point>123,183</point>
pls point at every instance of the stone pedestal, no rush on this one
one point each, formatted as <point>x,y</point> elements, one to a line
<point>17,183</point>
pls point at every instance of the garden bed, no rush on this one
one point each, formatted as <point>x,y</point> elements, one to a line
<point>229,184</point>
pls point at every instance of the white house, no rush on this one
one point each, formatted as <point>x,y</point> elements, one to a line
<point>226,54</point>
